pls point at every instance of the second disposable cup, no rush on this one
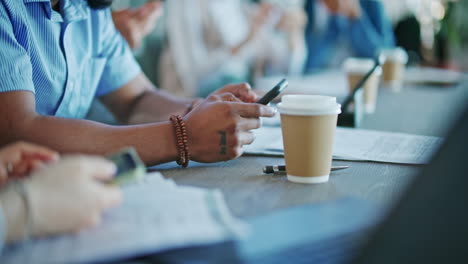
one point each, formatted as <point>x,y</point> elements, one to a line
<point>356,69</point>
<point>308,123</point>
<point>394,67</point>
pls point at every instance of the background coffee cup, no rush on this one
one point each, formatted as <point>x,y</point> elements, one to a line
<point>356,69</point>
<point>394,67</point>
<point>308,123</point>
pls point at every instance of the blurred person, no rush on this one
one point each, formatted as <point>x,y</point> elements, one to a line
<point>136,24</point>
<point>63,196</point>
<point>338,29</point>
<point>70,53</point>
<point>214,42</point>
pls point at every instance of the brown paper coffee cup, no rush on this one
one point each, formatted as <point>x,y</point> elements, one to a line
<point>308,124</point>
<point>356,69</point>
<point>394,67</point>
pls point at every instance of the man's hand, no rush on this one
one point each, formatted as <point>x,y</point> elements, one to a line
<point>20,159</point>
<point>66,196</point>
<point>349,8</point>
<point>242,91</point>
<point>220,126</point>
<point>135,25</point>
<point>71,195</point>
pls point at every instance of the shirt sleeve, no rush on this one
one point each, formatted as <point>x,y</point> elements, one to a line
<point>15,63</point>
<point>121,66</point>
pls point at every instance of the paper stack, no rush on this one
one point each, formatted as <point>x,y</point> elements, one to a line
<point>156,215</point>
<point>358,145</point>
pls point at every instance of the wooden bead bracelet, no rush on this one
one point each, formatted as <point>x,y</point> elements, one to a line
<point>182,140</point>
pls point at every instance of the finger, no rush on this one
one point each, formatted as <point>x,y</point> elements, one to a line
<point>254,110</point>
<point>92,220</point>
<point>147,10</point>
<point>243,91</point>
<point>228,97</point>
<point>39,152</point>
<point>104,170</point>
<point>249,124</point>
<point>3,181</point>
<point>3,175</point>
<point>35,165</point>
<point>109,196</point>
<point>20,169</point>
<point>97,168</point>
<point>246,138</point>
<point>213,98</point>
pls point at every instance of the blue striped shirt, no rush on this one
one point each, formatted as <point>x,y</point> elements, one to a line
<point>66,59</point>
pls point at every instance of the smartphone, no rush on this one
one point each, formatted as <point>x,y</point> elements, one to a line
<point>273,93</point>
<point>130,168</point>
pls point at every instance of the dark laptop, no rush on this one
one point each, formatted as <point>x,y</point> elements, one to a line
<point>428,224</point>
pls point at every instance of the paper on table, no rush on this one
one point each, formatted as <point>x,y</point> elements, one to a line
<point>156,215</point>
<point>433,76</point>
<point>331,82</point>
<point>358,144</point>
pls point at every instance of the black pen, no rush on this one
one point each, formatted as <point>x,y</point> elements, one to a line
<point>282,168</point>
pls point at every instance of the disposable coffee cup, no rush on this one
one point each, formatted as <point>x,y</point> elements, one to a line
<point>308,123</point>
<point>356,69</point>
<point>394,67</point>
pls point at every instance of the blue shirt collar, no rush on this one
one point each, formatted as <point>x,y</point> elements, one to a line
<point>73,10</point>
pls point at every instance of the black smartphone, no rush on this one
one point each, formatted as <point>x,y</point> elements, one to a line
<point>273,93</point>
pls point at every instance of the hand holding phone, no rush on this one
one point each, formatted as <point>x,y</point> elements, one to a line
<point>273,93</point>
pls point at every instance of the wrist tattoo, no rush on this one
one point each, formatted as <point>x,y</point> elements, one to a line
<point>222,143</point>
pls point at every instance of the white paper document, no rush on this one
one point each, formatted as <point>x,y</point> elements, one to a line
<point>358,144</point>
<point>156,215</point>
<point>331,82</point>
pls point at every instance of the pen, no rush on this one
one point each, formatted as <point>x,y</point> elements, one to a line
<point>282,168</point>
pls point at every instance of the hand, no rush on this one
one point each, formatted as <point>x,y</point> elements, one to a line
<point>20,159</point>
<point>220,126</point>
<point>135,25</point>
<point>71,195</point>
<point>242,91</point>
<point>292,21</point>
<point>349,8</point>
<point>258,20</point>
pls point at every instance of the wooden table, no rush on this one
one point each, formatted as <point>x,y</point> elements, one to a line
<point>416,110</point>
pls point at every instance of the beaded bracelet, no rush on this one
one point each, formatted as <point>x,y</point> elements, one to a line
<point>182,140</point>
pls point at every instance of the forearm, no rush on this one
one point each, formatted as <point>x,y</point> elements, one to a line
<point>155,143</point>
<point>158,106</point>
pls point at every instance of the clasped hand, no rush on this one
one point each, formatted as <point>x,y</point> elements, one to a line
<point>221,125</point>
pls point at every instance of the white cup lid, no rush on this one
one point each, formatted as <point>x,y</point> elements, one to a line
<point>309,105</point>
<point>395,54</point>
<point>358,65</point>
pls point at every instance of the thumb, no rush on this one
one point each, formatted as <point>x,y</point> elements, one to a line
<point>98,168</point>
